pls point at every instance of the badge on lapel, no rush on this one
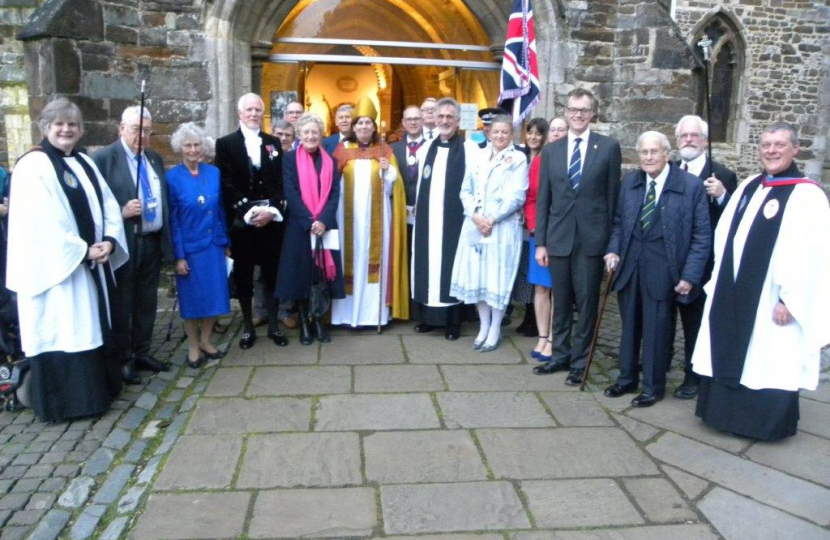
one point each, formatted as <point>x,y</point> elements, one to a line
<point>272,152</point>
<point>427,171</point>
<point>70,180</point>
<point>771,209</point>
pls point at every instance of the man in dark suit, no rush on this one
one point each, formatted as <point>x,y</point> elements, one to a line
<point>659,246</point>
<point>579,179</point>
<point>250,162</point>
<point>406,152</point>
<point>692,135</point>
<point>343,122</point>
<point>142,195</point>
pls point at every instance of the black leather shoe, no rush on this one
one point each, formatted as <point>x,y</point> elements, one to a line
<point>128,375</point>
<point>575,377</point>
<point>218,355</point>
<point>646,400</point>
<point>550,367</point>
<point>279,339</point>
<point>423,328</point>
<point>688,389</point>
<point>617,390</point>
<point>305,333</point>
<point>320,330</point>
<point>195,364</point>
<point>452,333</point>
<point>248,339</point>
<point>150,363</point>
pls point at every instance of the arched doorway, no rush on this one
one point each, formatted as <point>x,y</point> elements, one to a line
<point>395,52</point>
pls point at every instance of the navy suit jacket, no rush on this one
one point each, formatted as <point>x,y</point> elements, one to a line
<point>684,217</point>
<point>330,143</point>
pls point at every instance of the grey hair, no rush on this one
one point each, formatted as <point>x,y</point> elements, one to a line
<point>59,109</point>
<point>664,141</point>
<point>443,102</point>
<point>346,107</point>
<point>135,110</point>
<point>241,102</point>
<point>209,148</point>
<point>186,132</point>
<point>502,119</point>
<point>309,118</point>
<point>281,123</point>
<point>784,126</point>
<point>702,124</point>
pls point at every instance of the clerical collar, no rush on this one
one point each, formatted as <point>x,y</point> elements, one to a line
<point>790,172</point>
<point>247,132</point>
<point>363,145</point>
<point>445,144</point>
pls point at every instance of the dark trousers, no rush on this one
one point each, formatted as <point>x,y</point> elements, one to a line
<point>691,315</point>
<point>576,280</point>
<point>136,298</point>
<point>646,323</point>
<point>243,275</point>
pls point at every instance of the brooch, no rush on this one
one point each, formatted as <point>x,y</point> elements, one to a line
<point>70,180</point>
<point>771,209</point>
<point>271,151</point>
<point>427,171</point>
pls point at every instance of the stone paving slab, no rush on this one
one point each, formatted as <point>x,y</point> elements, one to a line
<point>376,412</point>
<point>662,532</point>
<point>314,513</point>
<point>659,500</point>
<point>501,378</point>
<point>678,415</point>
<point>563,453</point>
<point>741,518</point>
<point>171,516</point>
<point>260,415</point>
<point>757,481</point>
<point>690,485</point>
<point>265,353</point>
<point>821,393</point>
<point>201,462</point>
<point>492,536</point>
<point>434,349</point>
<point>493,409</point>
<point>363,349</point>
<point>815,418</point>
<point>302,459</point>
<point>422,456</point>
<point>579,503</point>
<point>804,455</point>
<point>377,379</point>
<point>476,506</point>
<point>300,381</point>
<point>228,382</point>
<point>576,410</point>
<point>639,430</point>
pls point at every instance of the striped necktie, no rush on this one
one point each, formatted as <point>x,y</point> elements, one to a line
<point>647,214</point>
<point>575,168</point>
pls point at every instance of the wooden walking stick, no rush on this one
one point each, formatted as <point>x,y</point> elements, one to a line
<point>596,329</point>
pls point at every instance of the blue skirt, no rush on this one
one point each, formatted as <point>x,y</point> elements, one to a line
<point>537,275</point>
<point>204,292</point>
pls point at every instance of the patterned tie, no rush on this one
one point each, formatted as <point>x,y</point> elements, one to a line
<point>146,191</point>
<point>647,214</point>
<point>413,150</point>
<point>575,168</point>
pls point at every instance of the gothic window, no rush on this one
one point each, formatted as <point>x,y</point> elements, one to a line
<point>726,60</point>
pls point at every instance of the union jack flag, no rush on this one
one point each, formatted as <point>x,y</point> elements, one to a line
<point>519,69</point>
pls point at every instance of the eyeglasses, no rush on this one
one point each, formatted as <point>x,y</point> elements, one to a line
<point>134,130</point>
<point>557,130</point>
<point>650,153</point>
<point>574,111</point>
<point>411,119</point>
<point>692,136</point>
<point>427,109</point>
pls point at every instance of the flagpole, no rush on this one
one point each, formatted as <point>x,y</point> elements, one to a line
<point>140,159</point>
<point>705,44</point>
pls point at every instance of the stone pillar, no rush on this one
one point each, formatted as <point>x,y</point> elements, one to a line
<point>260,51</point>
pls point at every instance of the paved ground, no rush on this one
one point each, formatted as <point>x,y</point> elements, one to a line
<point>404,436</point>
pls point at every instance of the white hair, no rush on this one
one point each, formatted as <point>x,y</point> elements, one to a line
<point>664,141</point>
<point>241,103</point>
<point>187,132</point>
<point>704,127</point>
<point>135,110</point>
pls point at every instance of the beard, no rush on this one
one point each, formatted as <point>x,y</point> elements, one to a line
<point>688,153</point>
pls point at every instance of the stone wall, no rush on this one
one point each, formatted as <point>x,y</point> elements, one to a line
<point>786,76</point>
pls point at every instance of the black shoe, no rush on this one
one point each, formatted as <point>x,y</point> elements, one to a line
<point>575,377</point>
<point>687,390</point>
<point>322,333</point>
<point>617,390</point>
<point>550,367</point>
<point>218,355</point>
<point>248,339</point>
<point>150,363</point>
<point>452,333</point>
<point>195,364</point>
<point>279,339</point>
<point>423,328</point>
<point>305,333</point>
<point>128,374</point>
<point>646,400</point>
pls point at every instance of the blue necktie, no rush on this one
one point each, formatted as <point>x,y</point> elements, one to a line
<point>146,191</point>
<point>575,168</point>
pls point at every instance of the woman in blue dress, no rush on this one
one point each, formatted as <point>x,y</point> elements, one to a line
<point>200,242</point>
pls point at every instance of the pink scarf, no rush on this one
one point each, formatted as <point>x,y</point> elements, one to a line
<point>315,199</point>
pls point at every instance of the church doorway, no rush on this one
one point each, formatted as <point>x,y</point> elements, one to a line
<point>396,52</point>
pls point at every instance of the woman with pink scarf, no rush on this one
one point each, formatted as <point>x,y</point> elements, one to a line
<point>308,175</point>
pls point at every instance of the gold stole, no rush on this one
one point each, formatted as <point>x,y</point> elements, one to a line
<point>375,238</point>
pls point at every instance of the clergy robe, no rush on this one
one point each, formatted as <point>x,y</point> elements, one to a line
<point>779,359</point>
<point>439,216</point>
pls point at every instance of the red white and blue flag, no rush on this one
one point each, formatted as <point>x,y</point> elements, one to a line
<point>519,69</point>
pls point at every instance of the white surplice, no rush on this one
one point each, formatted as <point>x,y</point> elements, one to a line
<point>781,357</point>
<point>361,307</point>
<point>56,297</point>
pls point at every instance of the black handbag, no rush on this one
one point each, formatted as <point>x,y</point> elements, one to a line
<point>320,297</point>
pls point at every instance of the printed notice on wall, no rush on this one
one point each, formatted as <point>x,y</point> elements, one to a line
<point>469,116</point>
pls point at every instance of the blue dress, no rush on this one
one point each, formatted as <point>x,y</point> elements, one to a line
<point>199,234</point>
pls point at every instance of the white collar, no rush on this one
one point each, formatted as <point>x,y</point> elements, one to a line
<point>583,136</point>
<point>660,179</point>
<point>247,132</point>
<point>697,163</point>
<point>128,150</point>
